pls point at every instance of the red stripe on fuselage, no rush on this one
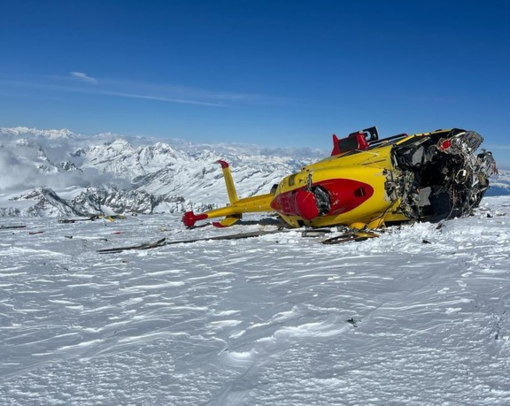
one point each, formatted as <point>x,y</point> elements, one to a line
<point>344,194</point>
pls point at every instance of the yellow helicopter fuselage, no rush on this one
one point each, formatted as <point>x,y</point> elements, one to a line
<point>366,184</point>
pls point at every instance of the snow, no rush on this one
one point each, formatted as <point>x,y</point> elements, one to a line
<point>149,176</point>
<point>418,316</point>
<point>50,134</point>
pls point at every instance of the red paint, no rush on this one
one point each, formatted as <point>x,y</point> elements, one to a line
<point>223,164</point>
<point>299,202</point>
<point>189,218</point>
<point>356,141</point>
<point>345,195</point>
<point>445,145</point>
<point>306,205</point>
<point>336,148</point>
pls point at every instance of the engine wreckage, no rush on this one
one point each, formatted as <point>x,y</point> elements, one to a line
<point>369,182</point>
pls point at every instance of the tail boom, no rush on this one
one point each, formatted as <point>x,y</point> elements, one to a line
<point>253,204</point>
<point>233,212</point>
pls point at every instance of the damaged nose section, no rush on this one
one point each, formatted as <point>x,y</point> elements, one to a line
<point>441,177</point>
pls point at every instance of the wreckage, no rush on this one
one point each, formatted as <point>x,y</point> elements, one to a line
<point>369,182</point>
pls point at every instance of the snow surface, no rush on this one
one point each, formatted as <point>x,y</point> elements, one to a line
<point>419,316</point>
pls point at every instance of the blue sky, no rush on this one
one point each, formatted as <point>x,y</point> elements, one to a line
<point>269,72</point>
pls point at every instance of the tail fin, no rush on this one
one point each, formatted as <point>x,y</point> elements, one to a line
<point>233,212</point>
<point>229,182</point>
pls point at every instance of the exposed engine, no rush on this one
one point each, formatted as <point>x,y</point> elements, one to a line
<point>440,175</point>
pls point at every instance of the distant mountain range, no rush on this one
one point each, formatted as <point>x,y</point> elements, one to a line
<point>60,173</point>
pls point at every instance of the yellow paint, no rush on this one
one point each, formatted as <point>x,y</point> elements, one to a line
<point>373,167</point>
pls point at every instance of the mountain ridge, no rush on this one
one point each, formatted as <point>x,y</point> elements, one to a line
<point>61,173</point>
<point>143,175</point>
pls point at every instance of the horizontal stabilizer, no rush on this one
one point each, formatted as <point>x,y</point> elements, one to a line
<point>227,221</point>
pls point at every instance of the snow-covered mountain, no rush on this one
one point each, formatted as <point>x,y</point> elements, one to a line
<point>114,174</point>
<point>48,134</point>
<point>61,173</point>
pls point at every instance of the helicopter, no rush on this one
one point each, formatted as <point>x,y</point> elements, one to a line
<point>367,183</point>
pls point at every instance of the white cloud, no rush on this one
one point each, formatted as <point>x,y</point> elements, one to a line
<point>14,174</point>
<point>160,98</point>
<point>17,174</point>
<point>84,77</point>
<point>162,92</point>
